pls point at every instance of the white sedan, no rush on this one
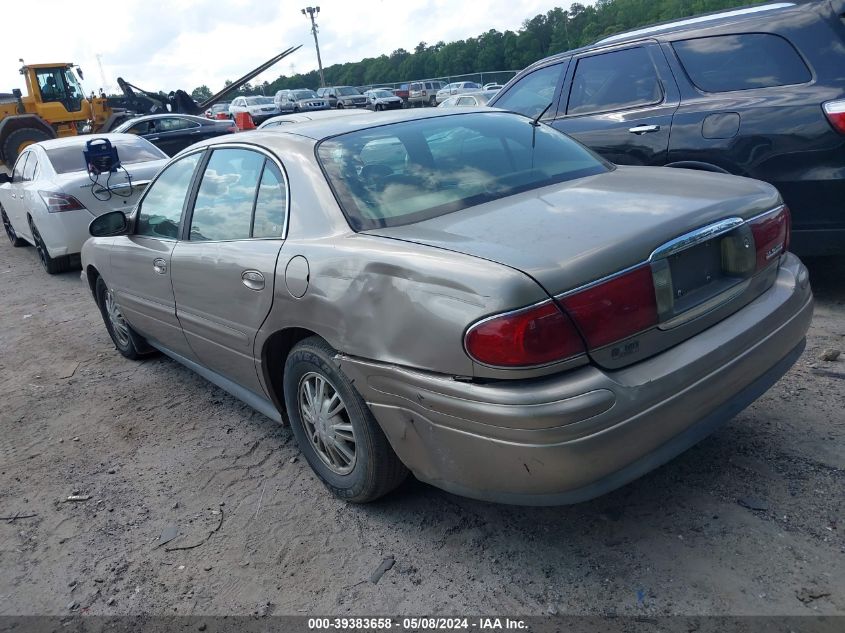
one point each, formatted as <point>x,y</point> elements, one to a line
<point>50,198</point>
<point>259,108</point>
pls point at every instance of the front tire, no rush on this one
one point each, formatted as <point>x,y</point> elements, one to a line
<point>125,339</point>
<point>335,430</point>
<point>10,230</point>
<point>53,265</point>
<point>339,105</point>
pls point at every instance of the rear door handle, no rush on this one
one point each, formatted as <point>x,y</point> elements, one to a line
<point>252,279</point>
<point>152,138</point>
<point>159,265</point>
<point>644,129</point>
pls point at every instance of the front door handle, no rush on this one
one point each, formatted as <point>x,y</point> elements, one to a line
<point>159,265</point>
<point>644,129</point>
<point>152,138</point>
<point>253,279</point>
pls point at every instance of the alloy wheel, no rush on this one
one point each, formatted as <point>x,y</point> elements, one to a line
<point>40,247</point>
<point>118,324</point>
<point>326,423</point>
<point>7,225</point>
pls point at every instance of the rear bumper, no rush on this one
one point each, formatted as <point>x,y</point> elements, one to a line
<point>574,436</point>
<point>64,233</point>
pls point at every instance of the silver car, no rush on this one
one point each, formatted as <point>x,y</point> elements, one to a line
<point>464,294</point>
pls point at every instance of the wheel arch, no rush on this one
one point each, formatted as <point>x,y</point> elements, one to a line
<point>92,275</point>
<point>274,353</point>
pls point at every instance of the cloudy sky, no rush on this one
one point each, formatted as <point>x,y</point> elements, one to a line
<point>164,45</point>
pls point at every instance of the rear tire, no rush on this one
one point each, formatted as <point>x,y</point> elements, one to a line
<point>433,102</point>
<point>20,139</point>
<point>53,265</point>
<point>127,341</point>
<point>335,429</point>
<point>16,241</point>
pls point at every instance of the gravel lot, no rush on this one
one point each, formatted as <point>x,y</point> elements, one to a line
<point>156,448</point>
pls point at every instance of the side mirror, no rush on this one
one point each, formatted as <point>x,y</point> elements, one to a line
<point>4,178</point>
<point>109,225</point>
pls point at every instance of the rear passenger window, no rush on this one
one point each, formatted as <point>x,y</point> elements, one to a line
<point>17,173</point>
<point>614,81</point>
<point>739,62</point>
<point>271,204</point>
<point>30,168</point>
<point>223,209</point>
<point>533,93</point>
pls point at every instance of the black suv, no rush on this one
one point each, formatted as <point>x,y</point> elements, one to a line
<point>757,91</point>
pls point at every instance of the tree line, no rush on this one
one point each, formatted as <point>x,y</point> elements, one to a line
<point>545,34</point>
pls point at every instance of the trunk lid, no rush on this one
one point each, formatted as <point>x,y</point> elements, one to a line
<point>570,234</point>
<point>97,198</point>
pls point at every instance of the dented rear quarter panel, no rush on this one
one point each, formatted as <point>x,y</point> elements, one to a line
<point>379,298</point>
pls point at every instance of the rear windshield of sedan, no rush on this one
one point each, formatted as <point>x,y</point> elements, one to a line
<point>416,170</point>
<point>259,100</point>
<point>70,158</point>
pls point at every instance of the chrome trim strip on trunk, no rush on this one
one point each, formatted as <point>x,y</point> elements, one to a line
<point>664,250</point>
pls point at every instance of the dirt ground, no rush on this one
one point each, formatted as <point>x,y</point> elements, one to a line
<point>750,521</point>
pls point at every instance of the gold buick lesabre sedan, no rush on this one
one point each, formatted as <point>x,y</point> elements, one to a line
<point>468,295</point>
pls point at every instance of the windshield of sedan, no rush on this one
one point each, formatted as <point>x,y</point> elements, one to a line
<point>381,94</point>
<point>346,92</point>
<point>304,94</point>
<point>69,158</point>
<point>407,172</point>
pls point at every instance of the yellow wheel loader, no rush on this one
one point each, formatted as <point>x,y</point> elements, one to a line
<point>55,105</point>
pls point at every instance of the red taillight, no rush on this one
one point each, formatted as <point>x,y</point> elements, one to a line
<point>58,202</point>
<point>771,236</point>
<point>615,309</point>
<point>835,111</point>
<point>534,336</point>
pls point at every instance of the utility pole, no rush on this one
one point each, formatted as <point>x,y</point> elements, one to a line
<point>311,12</point>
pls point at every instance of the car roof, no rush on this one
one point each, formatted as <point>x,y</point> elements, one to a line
<point>302,117</point>
<point>70,141</point>
<point>328,127</point>
<point>683,28</point>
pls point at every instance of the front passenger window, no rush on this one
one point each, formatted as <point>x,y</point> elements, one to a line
<point>161,208</point>
<point>533,93</point>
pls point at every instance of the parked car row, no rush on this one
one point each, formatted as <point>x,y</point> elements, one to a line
<point>468,99</point>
